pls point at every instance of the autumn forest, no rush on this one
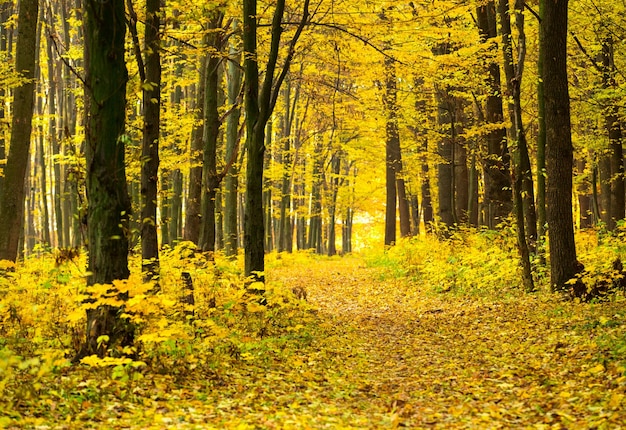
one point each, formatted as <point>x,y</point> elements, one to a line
<point>312,214</point>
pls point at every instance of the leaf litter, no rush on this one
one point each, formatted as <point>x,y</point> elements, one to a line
<point>375,351</point>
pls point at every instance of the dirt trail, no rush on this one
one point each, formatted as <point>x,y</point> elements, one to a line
<point>431,361</point>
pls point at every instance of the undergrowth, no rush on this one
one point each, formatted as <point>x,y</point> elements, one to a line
<point>479,262</point>
<point>279,353</point>
<point>43,305</point>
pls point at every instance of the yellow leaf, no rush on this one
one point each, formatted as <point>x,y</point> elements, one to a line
<point>616,400</point>
<point>597,369</point>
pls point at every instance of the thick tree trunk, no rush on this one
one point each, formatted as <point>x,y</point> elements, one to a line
<point>12,193</point>
<point>559,149</point>
<point>150,144</point>
<point>107,192</point>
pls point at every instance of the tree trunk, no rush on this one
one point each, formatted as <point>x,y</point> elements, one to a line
<point>445,168</point>
<point>541,141</point>
<point>210,178</point>
<point>522,197</point>
<point>12,196</point>
<point>150,144</point>
<point>498,199</point>
<point>604,169</point>
<point>461,178</point>
<point>233,73</point>
<point>514,72</point>
<point>585,199</point>
<point>559,149</point>
<point>194,193</point>
<point>614,131</point>
<point>107,192</point>
<point>259,106</point>
<point>285,231</point>
<point>5,12</point>
<point>335,165</point>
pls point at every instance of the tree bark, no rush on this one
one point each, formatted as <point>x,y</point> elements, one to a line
<point>496,165</point>
<point>12,193</point>
<point>559,149</point>
<point>194,193</point>
<point>233,73</point>
<point>150,144</point>
<point>107,193</point>
<point>259,104</point>
<point>210,179</point>
<point>541,141</point>
<point>614,131</point>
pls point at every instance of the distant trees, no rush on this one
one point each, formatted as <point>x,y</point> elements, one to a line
<point>438,132</point>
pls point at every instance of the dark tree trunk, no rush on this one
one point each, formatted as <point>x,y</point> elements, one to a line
<point>335,165</point>
<point>150,144</point>
<point>514,72</point>
<point>259,104</point>
<point>210,178</point>
<point>461,179</point>
<point>559,149</point>
<point>107,192</point>
<point>445,168</point>
<point>315,214</point>
<point>522,195</point>
<point>498,199</point>
<point>604,169</point>
<point>12,193</point>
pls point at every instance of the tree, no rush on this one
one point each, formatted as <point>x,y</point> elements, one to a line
<point>108,201</point>
<point>522,183</point>
<point>12,192</point>
<point>210,177</point>
<point>233,73</point>
<point>394,181</point>
<point>259,104</point>
<point>559,149</point>
<point>496,164</point>
<point>151,85</point>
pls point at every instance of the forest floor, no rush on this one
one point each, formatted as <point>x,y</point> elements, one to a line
<point>384,352</point>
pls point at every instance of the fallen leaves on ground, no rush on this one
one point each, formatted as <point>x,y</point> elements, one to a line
<point>377,352</point>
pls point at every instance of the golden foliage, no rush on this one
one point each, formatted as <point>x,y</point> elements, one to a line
<point>425,334</point>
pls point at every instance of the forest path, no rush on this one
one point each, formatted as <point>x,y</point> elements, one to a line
<point>405,356</point>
